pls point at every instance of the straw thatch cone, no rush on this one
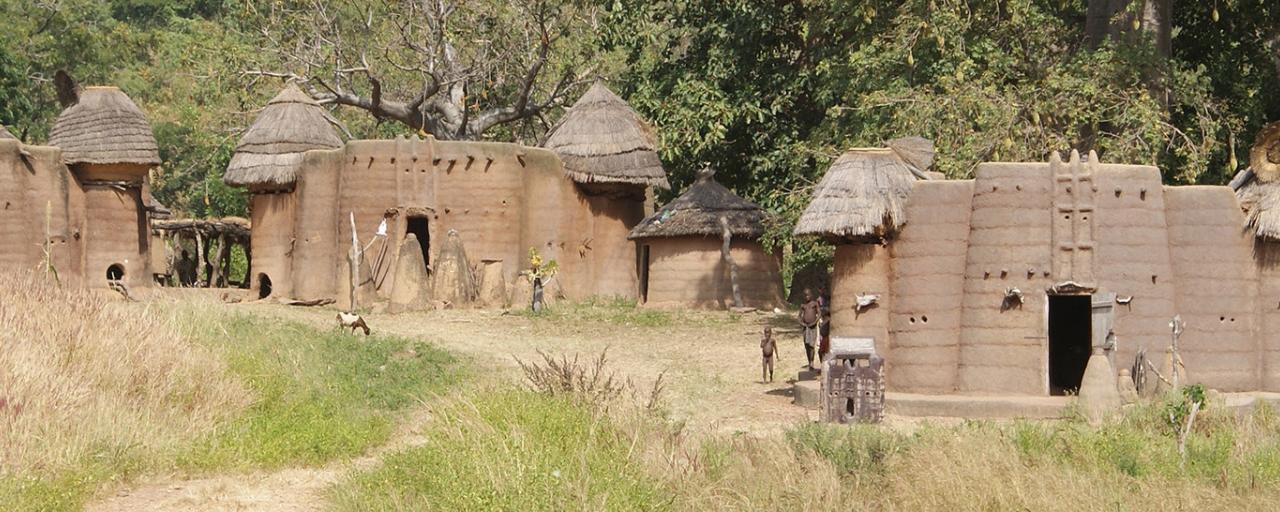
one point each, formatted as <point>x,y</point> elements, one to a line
<point>493,285</point>
<point>601,139</point>
<point>1099,397</point>
<point>1264,156</point>
<point>411,287</point>
<point>864,193</point>
<point>698,210</point>
<point>270,151</point>
<point>453,281</point>
<point>105,127</point>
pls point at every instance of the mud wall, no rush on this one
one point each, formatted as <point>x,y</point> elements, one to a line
<point>315,239</point>
<point>862,269</point>
<point>115,233</point>
<point>32,190</point>
<point>1004,350</point>
<point>612,255</point>
<point>928,288</point>
<point>1267,259</point>
<point>1133,258</point>
<point>689,272</point>
<point>1216,280</point>
<point>272,217</point>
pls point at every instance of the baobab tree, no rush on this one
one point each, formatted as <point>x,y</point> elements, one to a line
<point>452,69</point>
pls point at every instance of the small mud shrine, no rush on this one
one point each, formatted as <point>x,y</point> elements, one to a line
<point>79,206</point>
<point>1006,283</point>
<point>415,203</point>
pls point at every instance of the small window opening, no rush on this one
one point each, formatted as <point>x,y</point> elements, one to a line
<point>115,272</point>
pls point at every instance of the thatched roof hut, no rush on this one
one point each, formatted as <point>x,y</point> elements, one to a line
<point>602,140</point>
<point>271,149</point>
<point>698,211</point>
<point>104,126</point>
<point>4,134</point>
<point>1258,187</point>
<point>864,193</point>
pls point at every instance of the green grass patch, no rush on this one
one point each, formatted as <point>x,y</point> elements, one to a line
<point>320,395</point>
<point>510,450</point>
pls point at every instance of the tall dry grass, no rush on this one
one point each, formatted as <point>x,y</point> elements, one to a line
<point>85,378</point>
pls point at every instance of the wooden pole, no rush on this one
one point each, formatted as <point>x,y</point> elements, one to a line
<point>353,259</point>
<point>726,235</point>
<point>199,258</point>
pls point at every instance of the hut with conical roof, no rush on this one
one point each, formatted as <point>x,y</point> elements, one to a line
<point>682,257</point>
<point>266,162</point>
<point>107,143</point>
<point>859,204</point>
<point>610,152</point>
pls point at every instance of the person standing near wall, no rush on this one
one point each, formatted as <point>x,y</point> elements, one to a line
<point>810,312</point>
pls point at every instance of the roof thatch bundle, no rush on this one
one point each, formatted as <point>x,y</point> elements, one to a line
<point>104,126</point>
<point>602,140</point>
<point>269,153</point>
<point>1258,187</point>
<point>863,195</point>
<point>698,211</point>
<point>4,134</point>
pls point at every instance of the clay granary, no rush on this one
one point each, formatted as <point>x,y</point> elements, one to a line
<point>1005,283</point>
<point>682,251</point>
<point>78,207</point>
<point>405,197</point>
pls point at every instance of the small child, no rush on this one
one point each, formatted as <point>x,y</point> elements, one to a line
<point>768,347</point>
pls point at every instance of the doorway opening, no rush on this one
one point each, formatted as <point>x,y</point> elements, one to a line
<point>115,272</point>
<point>418,227</point>
<point>264,286</point>
<point>1070,341</point>
<point>642,271</point>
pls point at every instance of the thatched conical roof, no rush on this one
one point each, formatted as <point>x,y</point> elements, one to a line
<point>862,196</point>
<point>1258,187</point>
<point>271,149</point>
<point>4,134</point>
<point>602,140</point>
<point>698,210</point>
<point>104,127</point>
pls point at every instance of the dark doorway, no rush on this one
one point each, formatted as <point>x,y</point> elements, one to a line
<point>642,271</point>
<point>264,286</point>
<point>115,272</point>
<point>419,228</point>
<point>1070,341</point>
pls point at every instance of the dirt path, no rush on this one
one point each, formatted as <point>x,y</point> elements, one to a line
<point>709,363</point>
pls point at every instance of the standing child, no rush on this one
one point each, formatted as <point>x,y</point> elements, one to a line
<point>768,348</point>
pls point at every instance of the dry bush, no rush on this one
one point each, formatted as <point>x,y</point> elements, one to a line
<point>85,378</point>
<point>591,381</point>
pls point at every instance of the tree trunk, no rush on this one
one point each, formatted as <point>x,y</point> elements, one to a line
<point>727,238</point>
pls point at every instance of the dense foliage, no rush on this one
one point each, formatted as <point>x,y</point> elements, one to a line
<point>767,92</point>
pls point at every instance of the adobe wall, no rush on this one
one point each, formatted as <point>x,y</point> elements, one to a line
<point>116,233</point>
<point>272,219</point>
<point>1216,280</point>
<point>862,269</point>
<point>501,198</point>
<point>1010,235</point>
<point>29,190</point>
<point>1267,259</point>
<point>689,272</point>
<point>928,288</point>
<point>1134,259</point>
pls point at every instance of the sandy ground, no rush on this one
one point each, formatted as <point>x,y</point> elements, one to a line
<point>709,363</point>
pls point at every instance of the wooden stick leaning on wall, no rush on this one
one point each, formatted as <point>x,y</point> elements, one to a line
<point>353,261</point>
<point>726,235</point>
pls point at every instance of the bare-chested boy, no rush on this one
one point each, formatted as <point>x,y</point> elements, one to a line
<point>768,349</point>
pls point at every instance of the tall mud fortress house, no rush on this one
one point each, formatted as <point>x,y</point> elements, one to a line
<point>500,199</point>
<point>1004,284</point>
<point>78,206</point>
